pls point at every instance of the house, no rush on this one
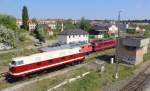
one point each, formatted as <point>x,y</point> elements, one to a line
<point>139,29</point>
<point>132,29</point>
<point>113,30</point>
<point>46,28</point>
<point>49,22</point>
<point>73,36</point>
<point>52,23</point>
<point>100,30</point>
<point>32,25</point>
<point>50,31</point>
<point>19,23</point>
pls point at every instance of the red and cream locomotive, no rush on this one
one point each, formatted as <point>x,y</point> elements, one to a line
<point>28,64</point>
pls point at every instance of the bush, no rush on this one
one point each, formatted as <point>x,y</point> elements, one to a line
<point>8,21</point>
<point>7,36</point>
<point>131,31</point>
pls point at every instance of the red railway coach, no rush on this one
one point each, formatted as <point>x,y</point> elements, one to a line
<point>25,65</point>
<point>103,44</point>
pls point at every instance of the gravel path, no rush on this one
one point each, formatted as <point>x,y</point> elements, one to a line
<point>147,85</point>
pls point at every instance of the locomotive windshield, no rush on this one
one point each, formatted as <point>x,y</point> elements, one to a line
<point>13,63</point>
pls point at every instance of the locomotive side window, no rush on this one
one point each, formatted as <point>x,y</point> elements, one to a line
<point>19,62</point>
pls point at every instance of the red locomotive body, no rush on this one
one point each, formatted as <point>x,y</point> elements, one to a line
<point>99,45</point>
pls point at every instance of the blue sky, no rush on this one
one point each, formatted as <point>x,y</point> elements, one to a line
<point>75,9</point>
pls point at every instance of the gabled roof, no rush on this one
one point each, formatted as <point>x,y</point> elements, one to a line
<point>73,32</point>
<point>102,28</point>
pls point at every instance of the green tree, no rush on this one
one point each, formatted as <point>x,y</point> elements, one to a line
<point>68,24</point>
<point>7,36</point>
<point>58,25</point>
<point>8,21</point>
<point>34,21</point>
<point>25,18</point>
<point>40,32</point>
<point>131,31</point>
<point>106,35</point>
<point>85,25</point>
<point>147,30</point>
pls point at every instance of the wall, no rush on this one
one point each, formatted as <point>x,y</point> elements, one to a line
<point>139,56</point>
<point>77,38</point>
<point>72,38</point>
<point>126,55</point>
<point>131,54</point>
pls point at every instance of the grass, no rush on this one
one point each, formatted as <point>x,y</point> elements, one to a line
<point>43,85</point>
<point>5,58</point>
<point>147,56</point>
<point>94,81</point>
<point>89,83</point>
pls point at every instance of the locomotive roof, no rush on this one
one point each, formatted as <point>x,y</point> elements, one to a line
<point>62,46</point>
<point>38,56</point>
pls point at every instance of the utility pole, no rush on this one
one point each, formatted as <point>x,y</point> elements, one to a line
<point>116,56</point>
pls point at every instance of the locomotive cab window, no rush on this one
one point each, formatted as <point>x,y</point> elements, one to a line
<point>13,63</point>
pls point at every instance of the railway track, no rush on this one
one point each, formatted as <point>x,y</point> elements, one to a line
<point>138,82</point>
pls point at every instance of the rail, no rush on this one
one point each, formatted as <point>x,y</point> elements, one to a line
<point>138,82</point>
